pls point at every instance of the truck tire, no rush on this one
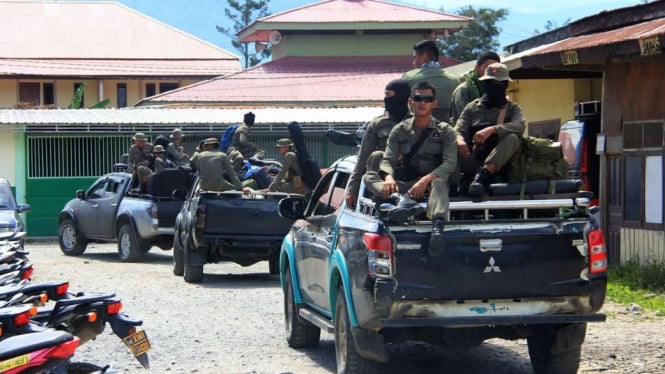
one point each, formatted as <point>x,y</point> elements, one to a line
<point>556,349</point>
<point>192,273</point>
<point>347,356</point>
<point>273,266</point>
<point>178,256</point>
<point>72,243</point>
<point>129,244</point>
<point>299,334</point>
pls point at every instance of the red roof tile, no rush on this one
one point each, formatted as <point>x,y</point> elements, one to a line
<point>359,11</point>
<point>187,69</point>
<point>302,81</point>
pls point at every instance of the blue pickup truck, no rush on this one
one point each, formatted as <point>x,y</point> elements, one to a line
<point>512,268</point>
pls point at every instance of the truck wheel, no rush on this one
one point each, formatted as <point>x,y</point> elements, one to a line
<point>299,334</point>
<point>273,266</point>
<point>347,356</point>
<point>178,256</point>
<point>72,243</point>
<point>192,273</point>
<point>129,247</point>
<point>555,349</point>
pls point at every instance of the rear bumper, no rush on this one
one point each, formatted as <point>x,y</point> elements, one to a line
<point>491,321</point>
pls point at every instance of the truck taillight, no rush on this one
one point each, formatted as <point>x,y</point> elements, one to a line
<point>597,253</point>
<point>379,255</point>
<point>152,211</point>
<point>200,217</point>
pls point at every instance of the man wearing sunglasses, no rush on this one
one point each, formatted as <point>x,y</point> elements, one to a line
<point>420,156</point>
<point>489,131</point>
<point>427,69</point>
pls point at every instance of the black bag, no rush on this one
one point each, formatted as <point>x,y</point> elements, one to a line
<point>311,171</point>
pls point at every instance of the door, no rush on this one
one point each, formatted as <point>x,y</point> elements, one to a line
<point>108,205</point>
<point>88,213</point>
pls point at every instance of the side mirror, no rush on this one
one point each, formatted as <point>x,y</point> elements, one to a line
<point>292,207</point>
<point>22,208</point>
<point>80,194</point>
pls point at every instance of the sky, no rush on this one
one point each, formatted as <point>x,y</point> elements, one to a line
<point>199,17</point>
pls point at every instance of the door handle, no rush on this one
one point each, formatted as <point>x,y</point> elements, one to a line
<point>114,205</point>
<point>95,205</point>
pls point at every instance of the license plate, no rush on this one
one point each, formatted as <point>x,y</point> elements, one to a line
<point>138,343</point>
<point>14,362</point>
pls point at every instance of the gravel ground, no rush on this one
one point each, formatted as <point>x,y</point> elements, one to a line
<point>234,323</point>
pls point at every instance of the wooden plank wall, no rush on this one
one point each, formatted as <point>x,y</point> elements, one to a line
<point>644,246</point>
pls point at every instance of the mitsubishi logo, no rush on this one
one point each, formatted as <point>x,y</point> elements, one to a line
<point>492,267</point>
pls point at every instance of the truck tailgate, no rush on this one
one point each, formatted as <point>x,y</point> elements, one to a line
<point>512,260</point>
<point>167,210</point>
<point>235,215</point>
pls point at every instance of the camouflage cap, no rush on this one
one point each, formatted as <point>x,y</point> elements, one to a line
<point>158,149</point>
<point>176,134</point>
<point>143,171</point>
<point>284,142</point>
<point>139,136</point>
<point>496,71</point>
<point>211,141</point>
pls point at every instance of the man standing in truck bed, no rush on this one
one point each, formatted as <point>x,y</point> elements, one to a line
<point>241,137</point>
<point>426,153</point>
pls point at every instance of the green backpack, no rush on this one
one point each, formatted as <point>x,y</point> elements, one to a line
<point>540,158</point>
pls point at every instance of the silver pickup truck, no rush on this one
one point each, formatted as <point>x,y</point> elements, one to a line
<point>110,210</point>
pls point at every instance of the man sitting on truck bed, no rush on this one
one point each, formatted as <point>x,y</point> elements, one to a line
<point>289,178</point>
<point>421,154</point>
<point>213,166</point>
<point>489,131</point>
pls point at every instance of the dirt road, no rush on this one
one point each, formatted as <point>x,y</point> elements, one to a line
<point>233,322</point>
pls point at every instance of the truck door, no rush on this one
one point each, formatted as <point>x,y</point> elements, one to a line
<point>108,205</point>
<point>89,208</point>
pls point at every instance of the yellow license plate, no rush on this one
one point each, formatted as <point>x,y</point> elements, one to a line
<point>14,362</point>
<point>138,343</point>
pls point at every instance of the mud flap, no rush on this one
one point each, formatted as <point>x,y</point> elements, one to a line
<point>121,325</point>
<point>370,345</point>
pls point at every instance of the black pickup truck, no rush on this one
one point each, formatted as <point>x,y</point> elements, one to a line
<point>227,226</point>
<point>511,268</point>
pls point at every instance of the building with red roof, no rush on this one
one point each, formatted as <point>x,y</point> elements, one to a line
<point>337,53</point>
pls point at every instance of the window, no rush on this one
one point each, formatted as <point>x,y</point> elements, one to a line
<point>121,91</point>
<point>97,192</point>
<point>76,87</point>
<point>28,94</point>
<point>150,89</point>
<point>330,199</point>
<point>48,94</point>
<point>165,87</point>
<point>642,192</point>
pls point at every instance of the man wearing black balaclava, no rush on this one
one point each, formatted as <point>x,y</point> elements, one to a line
<point>376,135</point>
<point>489,132</point>
<point>241,141</point>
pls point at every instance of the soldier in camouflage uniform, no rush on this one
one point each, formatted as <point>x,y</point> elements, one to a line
<point>376,134</point>
<point>427,68</point>
<point>480,126</point>
<point>213,165</point>
<point>176,150</point>
<point>240,139</point>
<point>431,164</point>
<point>289,178</point>
<point>471,88</point>
<point>140,153</point>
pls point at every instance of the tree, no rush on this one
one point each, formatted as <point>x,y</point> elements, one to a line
<point>479,36</point>
<point>241,15</point>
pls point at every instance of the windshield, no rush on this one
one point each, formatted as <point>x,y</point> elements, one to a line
<point>6,197</point>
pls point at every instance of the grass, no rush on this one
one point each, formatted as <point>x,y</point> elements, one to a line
<point>640,284</point>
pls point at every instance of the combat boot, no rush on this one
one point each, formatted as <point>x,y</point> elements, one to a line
<point>436,240</point>
<point>405,207</point>
<point>480,183</point>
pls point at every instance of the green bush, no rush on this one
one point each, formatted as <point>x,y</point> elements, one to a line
<point>640,284</point>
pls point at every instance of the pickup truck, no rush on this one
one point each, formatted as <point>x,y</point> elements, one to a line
<point>227,226</point>
<point>534,268</point>
<point>110,210</point>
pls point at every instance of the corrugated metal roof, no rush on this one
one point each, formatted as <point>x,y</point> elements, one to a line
<point>189,69</point>
<point>102,118</point>
<point>318,81</point>
<point>93,30</point>
<point>352,14</point>
<point>619,35</point>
